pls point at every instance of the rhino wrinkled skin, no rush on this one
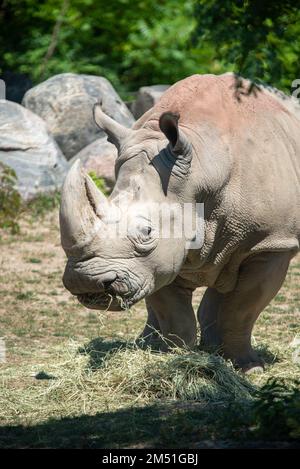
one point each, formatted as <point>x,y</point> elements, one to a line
<point>208,141</point>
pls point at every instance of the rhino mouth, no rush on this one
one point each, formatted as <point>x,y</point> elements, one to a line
<point>110,301</point>
<point>119,295</point>
<point>102,301</point>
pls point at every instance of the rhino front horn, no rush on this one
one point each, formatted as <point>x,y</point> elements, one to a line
<point>81,209</point>
<point>116,132</point>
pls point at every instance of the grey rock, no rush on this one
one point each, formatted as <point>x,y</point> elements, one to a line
<point>99,157</point>
<point>66,101</point>
<point>147,96</point>
<point>26,146</point>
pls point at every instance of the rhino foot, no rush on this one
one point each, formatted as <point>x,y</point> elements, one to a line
<point>153,341</point>
<point>248,363</point>
<point>254,369</point>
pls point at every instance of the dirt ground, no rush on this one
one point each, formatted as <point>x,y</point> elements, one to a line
<point>40,322</point>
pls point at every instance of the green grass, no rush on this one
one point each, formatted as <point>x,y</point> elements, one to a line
<point>25,295</point>
<point>73,377</point>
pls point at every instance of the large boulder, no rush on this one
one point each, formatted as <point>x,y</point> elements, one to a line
<point>26,146</point>
<point>66,101</point>
<point>146,97</point>
<point>99,157</point>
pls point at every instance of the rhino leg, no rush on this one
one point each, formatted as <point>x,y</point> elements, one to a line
<point>150,337</point>
<point>170,308</point>
<point>226,320</point>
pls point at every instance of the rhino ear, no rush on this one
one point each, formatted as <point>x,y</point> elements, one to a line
<point>179,144</point>
<point>168,124</point>
<point>116,132</point>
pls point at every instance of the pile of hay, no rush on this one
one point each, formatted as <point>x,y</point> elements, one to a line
<point>86,381</point>
<point>183,375</point>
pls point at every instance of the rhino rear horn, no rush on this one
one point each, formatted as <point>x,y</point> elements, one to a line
<point>116,132</point>
<point>179,144</point>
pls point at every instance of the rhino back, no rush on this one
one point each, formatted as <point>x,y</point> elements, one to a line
<point>257,153</point>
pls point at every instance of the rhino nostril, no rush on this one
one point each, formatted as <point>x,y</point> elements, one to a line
<point>107,283</point>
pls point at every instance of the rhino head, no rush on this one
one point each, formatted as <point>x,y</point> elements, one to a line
<point>108,268</point>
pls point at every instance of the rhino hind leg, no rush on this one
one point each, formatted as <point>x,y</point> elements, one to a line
<point>171,319</point>
<point>226,320</point>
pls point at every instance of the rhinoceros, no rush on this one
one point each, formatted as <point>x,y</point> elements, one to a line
<point>204,142</point>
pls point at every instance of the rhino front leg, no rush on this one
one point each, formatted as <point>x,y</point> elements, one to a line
<point>170,312</point>
<point>151,335</point>
<point>227,320</point>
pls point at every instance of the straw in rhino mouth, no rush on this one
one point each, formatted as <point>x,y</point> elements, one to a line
<point>104,301</point>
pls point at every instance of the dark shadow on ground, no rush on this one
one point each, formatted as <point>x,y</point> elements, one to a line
<point>103,430</point>
<point>183,424</point>
<point>263,351</point>
<point>267,356</point>
<point>99,348</point>
<point>168,426</point>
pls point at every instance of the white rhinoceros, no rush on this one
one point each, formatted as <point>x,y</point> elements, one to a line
<point>204,141</point>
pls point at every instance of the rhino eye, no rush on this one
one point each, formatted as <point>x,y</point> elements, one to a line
<point>144,233</point>
<point>144,238</point>
<point>146,230</point>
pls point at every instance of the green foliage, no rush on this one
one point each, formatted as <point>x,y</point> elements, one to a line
<point>10,200</point>
<point>150,42</point>
<point>257,39</point>
<point>277,411</point>
<point>100,183</point>
<point>272,415</point>
<point>12,206</point>
<point>42,204</point>
<point>127,42</point>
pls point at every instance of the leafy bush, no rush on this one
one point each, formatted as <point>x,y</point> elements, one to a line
<point>277,411</point>
<point>12,206</point>
<point>257,39</point>
<point>42,204</point>
<point>127,42</point>
<point>10,200</point>
<point>138,43</point>
<point>271,414</point>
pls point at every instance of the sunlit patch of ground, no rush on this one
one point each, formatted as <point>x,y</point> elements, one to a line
<point>74,377</point>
